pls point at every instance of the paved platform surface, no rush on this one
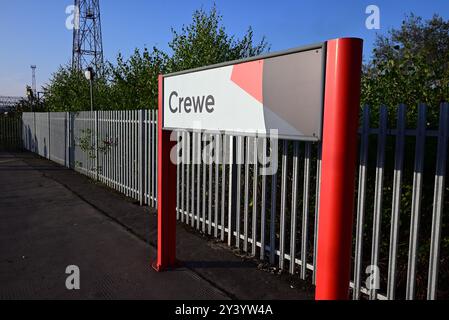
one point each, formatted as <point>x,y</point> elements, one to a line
<point>52,217</point>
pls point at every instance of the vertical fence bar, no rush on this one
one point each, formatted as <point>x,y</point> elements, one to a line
<point>416,201</point>
<point>396,203</point>
<point>49,134</point>
<point>183,181</point>
<point>105,124</point>
<point>305,209</point>
<point>104,158</point>
<point>240,158</point>
<point>317,211</point>
<point>378,196</point>
<point>100,163</point>
<point>124,151</point>
<point>115,138</point>
<point>153,161</point>
<point>120,150</point>
<point>108,133</point>
<point>129,157</point>
<point>147,161</point>
<point>198,181</point>
<point>97,163</point>
<point>230,191</point>
<point>273,208</point>
<point>178,176</point>
<point>101,124</point>
<point>209,227</point>
<point>150,158</point>
<point>118,141</point>
<point>133,154</point>
<point>361,202</point>
<point>217,168</point>
<point>188,168</point>
<point>246,195</point>
<point>223,187</point>
<point>141,154</point>
<point>263,201</point>
<point>283,196</point>
<point>69,139</point>
<point>193,165</point>
<point>203,212</point>
<point>255,199</point>
<point>294,207</point>
<point>137,146</point>
<point>438,201</point>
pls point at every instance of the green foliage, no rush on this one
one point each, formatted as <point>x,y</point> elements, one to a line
<point>410,65</point>
<point>132,83</point>
<point>205,42</point>
<point>68,90</point>
<point>86,143</point>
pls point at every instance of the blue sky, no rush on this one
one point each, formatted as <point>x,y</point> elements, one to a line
<point>34,32</point>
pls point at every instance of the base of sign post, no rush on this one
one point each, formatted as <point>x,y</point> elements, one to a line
<point>161,268</point>
<point>339,156</point>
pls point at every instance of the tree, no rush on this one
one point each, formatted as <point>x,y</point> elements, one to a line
<point>68,90</point>
<point>205,42</point>
<point>410,65</point>
<point>134,82</point>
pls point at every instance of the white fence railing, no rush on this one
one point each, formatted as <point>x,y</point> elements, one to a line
<point>399,218</point>
<point>115,147</point>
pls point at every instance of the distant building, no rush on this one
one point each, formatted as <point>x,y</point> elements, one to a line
<point>8,103</point>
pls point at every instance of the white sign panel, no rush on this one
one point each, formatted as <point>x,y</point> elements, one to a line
<point>282,91</point>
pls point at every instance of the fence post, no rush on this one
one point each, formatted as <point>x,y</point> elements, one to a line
<point>339,148</point>
<point>66,140</point>
<point>141,155</point>
<point>97,162</point>
<point>69,141</point>
<point>49,135</point>
<point>34,137</point>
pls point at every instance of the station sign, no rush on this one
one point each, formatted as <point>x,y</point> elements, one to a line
<point>282,91</point>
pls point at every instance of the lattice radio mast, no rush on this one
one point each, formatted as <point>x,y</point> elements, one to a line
<point>87,40</point>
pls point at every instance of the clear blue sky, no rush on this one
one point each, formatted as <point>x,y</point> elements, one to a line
<point>34,32</point>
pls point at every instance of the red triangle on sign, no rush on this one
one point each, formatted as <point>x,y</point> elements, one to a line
<point>249,77</point>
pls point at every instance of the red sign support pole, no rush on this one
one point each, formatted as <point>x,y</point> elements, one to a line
<point>341,110</point>
<point>166,196</point>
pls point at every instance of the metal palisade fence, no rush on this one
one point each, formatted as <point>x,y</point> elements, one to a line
<point>117,148</point>
<point>400,233</point>
<point>10,132</point>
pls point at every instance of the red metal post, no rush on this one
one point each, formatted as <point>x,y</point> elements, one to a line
<point>339,155</point>
<point>166,194</point>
